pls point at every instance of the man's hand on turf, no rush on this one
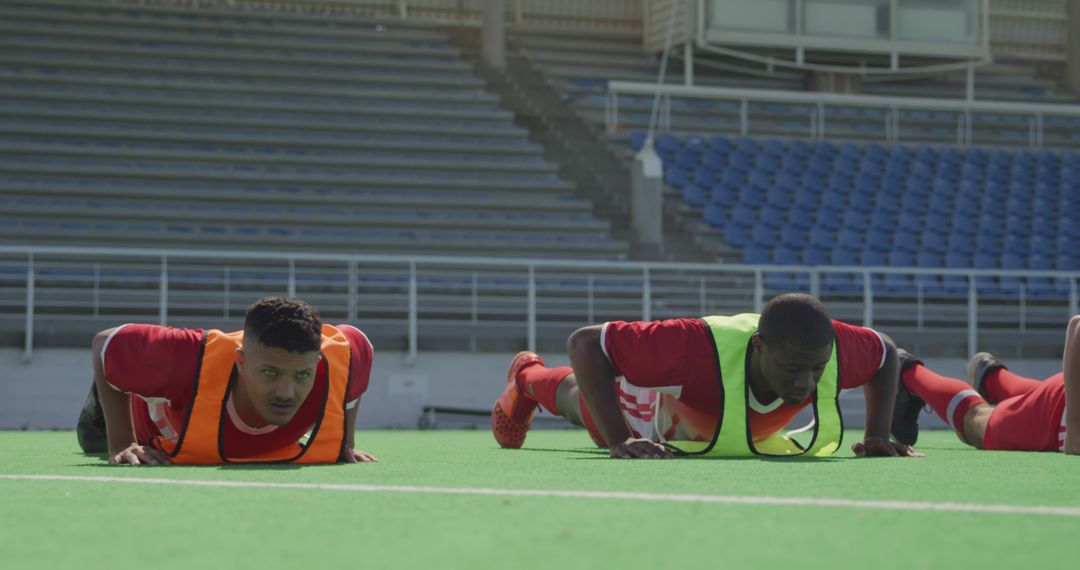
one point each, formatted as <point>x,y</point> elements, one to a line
<point>880,447</point>
<point>634,448</point>
<point>136,454</point>
<point>356,456</point>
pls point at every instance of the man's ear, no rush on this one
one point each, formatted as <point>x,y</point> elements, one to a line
<point>239,357</point>
<point>756,342</point>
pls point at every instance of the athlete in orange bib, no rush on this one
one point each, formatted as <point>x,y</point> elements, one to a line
<point>286,389</point>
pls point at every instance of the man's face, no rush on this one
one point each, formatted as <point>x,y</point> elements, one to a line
<point>275,380</point>
<point>792,371</point>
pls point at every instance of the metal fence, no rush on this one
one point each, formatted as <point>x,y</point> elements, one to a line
<point>477,298</point>
<point>622,15</point>
<point>966,117</point>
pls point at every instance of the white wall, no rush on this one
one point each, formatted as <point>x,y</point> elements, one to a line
<point>48,392</point>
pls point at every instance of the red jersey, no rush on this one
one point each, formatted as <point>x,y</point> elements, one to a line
<point>677,359</point>
<point>1034,421</point>
<point>158,364</point>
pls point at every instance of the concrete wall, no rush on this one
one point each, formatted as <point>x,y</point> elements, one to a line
<point>48,392</point>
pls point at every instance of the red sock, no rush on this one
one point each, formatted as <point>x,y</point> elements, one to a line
<point>950,398</point>
<point>1000,384</point>
<point>541,383</point>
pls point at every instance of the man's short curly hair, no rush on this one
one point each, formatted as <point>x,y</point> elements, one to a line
<point>284,322</point>
<point>795,320</point>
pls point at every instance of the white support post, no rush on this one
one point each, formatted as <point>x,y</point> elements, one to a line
<point>97,290</point>
<point>410,358</point>
<point>744,117</point>
<point>292,277</point>
<point>532,308</point>
<point>475,306</point>
<point>1073,297</point>
<point>591,303</point>
<point>868,300</point>
<point>971,83</point>
<point>759,290</point>
<point>494,33</point>
<point>28,343</point>
<point>225,295</point>
<point>688,63</point>
<point>354,290</point>
<point>163,293</point>
<point>646,295</point>
<point>973,316</point>
<point>701,298</point>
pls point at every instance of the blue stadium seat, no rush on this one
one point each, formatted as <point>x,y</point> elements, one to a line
<point>764,235</point>
<point>736,235</point>
<point>821,238</point>
<point>879,239</point>
<point>815,256</point>
<point>754,254</point>
<point>695,195</point>
<point>723,195</point>
<point>718,215</point>
<point>793,237</point>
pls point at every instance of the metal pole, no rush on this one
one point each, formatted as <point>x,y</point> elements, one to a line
<point>868,301</point>
<point>744,117</point>
<point>532,308</point>
<point>413,317</point>
<point>292,277</point>
<point>971,83</point>
<point>646,295</point>
<point>1023,308</point>
<point>815,283</point>
<point>919,304</point>
<point>973,315</point>
<point>821,121</point>
<point>227,300</point>
<point>759,290</point>
<point>354,290</point>
<point>97,290</point>
<point>163,293</point>
<point>28,345</point>
<point>475,309</point>
<point>592,303</point>
<point>701,297</point>
<point>688,63</point>
<point>1038,134</point>
<point>1073,301</point>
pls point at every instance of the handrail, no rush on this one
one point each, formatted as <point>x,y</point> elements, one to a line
<point>778,96</point>
<point>816,103</point>
<point>650,274</point>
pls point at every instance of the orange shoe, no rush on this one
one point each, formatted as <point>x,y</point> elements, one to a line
<point>513,411</point>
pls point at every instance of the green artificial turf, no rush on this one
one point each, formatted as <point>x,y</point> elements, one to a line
<point>80,524</point>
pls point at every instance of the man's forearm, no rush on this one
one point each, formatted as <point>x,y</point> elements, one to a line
<point>596,381</point>
<point>115,405</point>
<point>880,394</point>
<point>1070,367</point>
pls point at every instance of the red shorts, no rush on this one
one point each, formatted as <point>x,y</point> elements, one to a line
<point>1031,422</point>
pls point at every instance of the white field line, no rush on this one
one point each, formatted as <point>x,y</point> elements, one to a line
<point>597,495</point>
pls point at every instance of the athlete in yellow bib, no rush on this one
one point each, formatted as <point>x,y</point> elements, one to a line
<point>725,386</point>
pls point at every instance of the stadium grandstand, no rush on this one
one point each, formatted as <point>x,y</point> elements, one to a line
<point>465,179</point>
<point>294,130</point>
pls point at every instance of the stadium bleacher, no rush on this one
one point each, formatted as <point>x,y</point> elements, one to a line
<point>845,204</point>
<point>158,126</point>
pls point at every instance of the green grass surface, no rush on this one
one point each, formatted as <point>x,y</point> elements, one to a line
<point>81,524</point>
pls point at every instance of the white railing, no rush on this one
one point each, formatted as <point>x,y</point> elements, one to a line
<point>622,15</point>
<point>818,103</point>
<point>417,294</point>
